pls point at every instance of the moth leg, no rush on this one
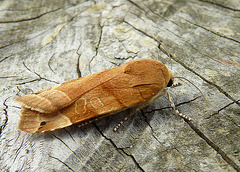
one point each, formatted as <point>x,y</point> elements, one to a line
<point>176,84</point>
<point>176,111</point>
<point>126,118</point>
<point>81,124</point>
<point>139,107</point>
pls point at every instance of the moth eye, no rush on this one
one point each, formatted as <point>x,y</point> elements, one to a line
<point>170,83</point>
<point>43,123</point>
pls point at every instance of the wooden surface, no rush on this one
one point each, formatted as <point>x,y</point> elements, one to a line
<point>48,42</point>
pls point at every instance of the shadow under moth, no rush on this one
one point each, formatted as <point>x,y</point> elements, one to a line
<point>132,85</point>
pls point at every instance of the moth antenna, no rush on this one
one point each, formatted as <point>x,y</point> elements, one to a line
<point>174,108</point>
<point>162,48</point>
<point>197,89</point>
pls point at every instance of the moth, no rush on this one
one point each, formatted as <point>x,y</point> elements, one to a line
<point>132,85</point>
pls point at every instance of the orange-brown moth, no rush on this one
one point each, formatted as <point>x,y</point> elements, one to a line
<point>134,84</point>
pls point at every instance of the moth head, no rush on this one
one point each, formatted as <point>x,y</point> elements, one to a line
<point>170,83</point>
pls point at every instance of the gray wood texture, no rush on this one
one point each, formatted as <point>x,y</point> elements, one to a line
<point>44,43</point>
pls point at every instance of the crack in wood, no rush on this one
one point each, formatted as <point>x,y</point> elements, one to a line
<point>117,148</point>
<point>152,131</point>
<point>5,58</point>
<point>65,164</point>
<point>97,46</point>
<point>215,33</point>
<point>66,146</point>
<point>220,5</point>
<point>69,134</point>
<point>77,66</point>
<point>6,116</point>
<point>49,60</point>
<point>223,108</point>
<point>32,18</point>
<point>204,79</point>
<point>39,77</point>
<point>169,107</point>
<point>18,151</point>
<point>214,146</point>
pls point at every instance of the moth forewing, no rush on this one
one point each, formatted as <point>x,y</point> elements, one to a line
<point>93,96</point>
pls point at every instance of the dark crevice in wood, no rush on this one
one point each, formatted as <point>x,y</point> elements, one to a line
<point>214,146</point>
<point>20,40</point>
<point>5,58</point>
<point>97,46</point>
<point>209,142</point>
<point>22,83</point>
<point>39,77</point>
<point>62,162</point>
<point>189,101</point>
<point>139,30</point>
<point>78,67</point>
<point>117,148</point>
<point>6,116</point>
<point>25,40</point>
<point>32,18</point>
<point>224,107</point>
<point>133,158</point>
<point>49,63</point>
<point>169,107</point>
<point>204,79</point>
<point>215,33</point>
<point>7,77</point>
<point>4,46</point>
<point>78,62</point>
<point>220,5</point>
<point>66,145</point>
<point>136,4</point>
<point>152,131</point>
<point>18,150</point>
<point>69,134</point>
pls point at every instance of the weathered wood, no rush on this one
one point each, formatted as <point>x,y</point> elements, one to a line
<point>51,42</point>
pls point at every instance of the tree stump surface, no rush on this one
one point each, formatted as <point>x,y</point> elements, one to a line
<point>44,43</point>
